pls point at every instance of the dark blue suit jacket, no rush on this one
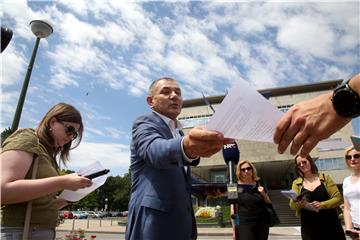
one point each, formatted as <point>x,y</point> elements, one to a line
<point>160,206</point>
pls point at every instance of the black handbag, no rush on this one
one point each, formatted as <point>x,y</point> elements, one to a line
<point>272,215</point>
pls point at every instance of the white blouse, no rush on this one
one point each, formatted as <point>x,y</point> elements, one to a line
<point>351,192</point>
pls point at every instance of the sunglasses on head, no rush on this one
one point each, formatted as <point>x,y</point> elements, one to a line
<point>246,169</point>
<point>69,130</point>
<point>355,156</point>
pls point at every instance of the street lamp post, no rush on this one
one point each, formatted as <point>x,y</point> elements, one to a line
<point>41,29</point>
<point>106,205</point>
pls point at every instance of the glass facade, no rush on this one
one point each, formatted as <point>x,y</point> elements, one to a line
<point>218,176</point>
<point>190,122</point>
<point>331,164</point>
<point>285,108</point>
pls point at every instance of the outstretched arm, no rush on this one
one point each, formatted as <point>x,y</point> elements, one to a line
<point>308,122</point>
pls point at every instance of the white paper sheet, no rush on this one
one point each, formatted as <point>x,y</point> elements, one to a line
<point>74,196</point>
<point>245,114</point>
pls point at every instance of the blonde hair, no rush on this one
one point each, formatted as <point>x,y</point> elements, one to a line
<point>347,150</point>
<point>238,171</point>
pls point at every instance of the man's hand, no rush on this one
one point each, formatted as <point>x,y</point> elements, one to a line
<point>306,123</point>
<point>203,143</point>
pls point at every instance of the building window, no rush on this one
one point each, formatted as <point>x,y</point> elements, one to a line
<point>218,176</point>
<point>190,122</point>
<point>330,164</point>
<point>285,108</point>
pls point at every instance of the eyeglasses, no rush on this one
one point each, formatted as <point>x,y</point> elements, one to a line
<point>69,130</point>
<point>246,169</point>
<point>355,156</point>
<point>301,163</point>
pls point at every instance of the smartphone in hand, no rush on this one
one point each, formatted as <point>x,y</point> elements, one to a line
<point>97,174</point>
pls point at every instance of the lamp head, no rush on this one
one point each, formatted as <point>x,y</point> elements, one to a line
<point>41,28</point>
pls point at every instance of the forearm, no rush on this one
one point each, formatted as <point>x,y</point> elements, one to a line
<point>28,189</point>
<point>61,203</point>
<point>266,198</point>
<point>331,203</point>
<point>354,83</point>
<point>347,219</point>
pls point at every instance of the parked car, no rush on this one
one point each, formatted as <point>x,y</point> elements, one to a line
<point>68,215</point>
<point>93,214</point>
<point>124,214</point>
<point>115,214</point>
<point>79,215</point>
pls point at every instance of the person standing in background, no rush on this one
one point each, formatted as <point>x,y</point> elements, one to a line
<point>319,190</point>
<point>253,223</point>
<point>351,191</point>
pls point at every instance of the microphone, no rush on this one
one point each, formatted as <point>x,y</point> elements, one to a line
<point>231,156</point>
<point>6,35</point>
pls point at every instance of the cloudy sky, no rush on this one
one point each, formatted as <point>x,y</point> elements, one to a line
<point>103,55</point>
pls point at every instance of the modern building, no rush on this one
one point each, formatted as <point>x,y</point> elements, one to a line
<point>276,169</point>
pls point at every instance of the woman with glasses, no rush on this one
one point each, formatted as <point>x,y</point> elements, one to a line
<point>317,202</point>
<point>251,203</point>
<point>351,191</point>
<point>59,131</point>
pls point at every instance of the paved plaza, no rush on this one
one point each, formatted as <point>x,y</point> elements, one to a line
<point>107,229</point>
<point>110,229</point>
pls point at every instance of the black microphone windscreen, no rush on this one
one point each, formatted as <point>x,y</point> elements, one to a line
<point>231,153</point>
<point>6,35</point>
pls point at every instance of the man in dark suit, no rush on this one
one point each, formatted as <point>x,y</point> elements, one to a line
<point>160,206</point>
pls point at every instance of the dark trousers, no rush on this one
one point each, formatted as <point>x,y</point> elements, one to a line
<point>254,231</point>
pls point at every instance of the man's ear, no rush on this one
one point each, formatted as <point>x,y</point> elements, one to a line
<point>149,100</point>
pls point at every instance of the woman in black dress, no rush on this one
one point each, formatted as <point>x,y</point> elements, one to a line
<point>317,206</point>
<point>253,220</point>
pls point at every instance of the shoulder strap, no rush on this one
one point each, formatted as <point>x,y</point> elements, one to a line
<point>35,164</point>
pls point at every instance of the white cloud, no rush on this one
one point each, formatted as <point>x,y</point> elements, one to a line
<point>303,34</point>
<point>13,65</point>
<point>115,157</point>
<point>75,31</point>
<point>7,100</point>
<point>79,7</point>
<point>61,79</point>
<point>116,133</point>
<point>117,35</point>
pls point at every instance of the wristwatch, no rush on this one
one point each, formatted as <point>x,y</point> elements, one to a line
<point>346,101</point>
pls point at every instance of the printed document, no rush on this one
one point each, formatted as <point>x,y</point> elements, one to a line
<point>293,195</point>
<point>245,114</point>
<point>74,196</point>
